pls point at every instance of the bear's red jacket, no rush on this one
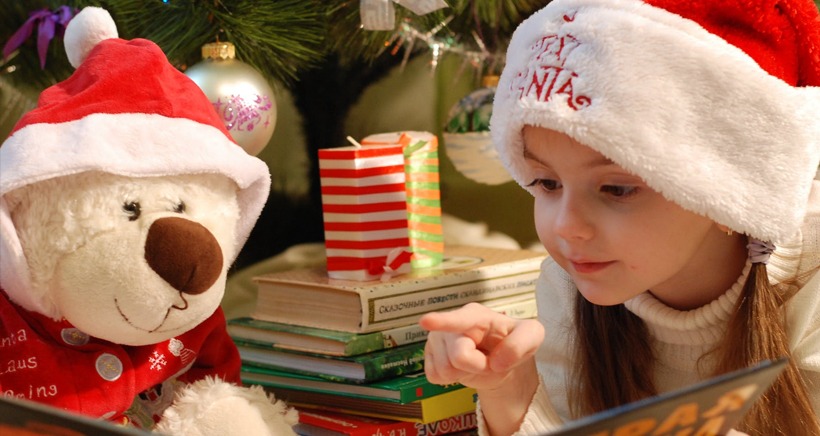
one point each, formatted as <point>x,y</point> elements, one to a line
<point>54,363</point>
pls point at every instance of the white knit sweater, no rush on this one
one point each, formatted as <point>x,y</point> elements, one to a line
<point>680,337</point>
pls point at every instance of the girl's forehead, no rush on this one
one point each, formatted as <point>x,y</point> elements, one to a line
<point>549,146</point>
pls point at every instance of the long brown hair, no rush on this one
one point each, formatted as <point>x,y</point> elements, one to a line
<point>615,358</point>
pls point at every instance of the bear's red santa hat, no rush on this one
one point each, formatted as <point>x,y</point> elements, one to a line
<point>126,110</point>
<point>714,103</point>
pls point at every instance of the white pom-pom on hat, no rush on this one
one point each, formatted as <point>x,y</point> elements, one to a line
<point>85,31</point>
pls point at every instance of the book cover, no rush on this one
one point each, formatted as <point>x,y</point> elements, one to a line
<point>709,408</point>
<point>322,423</point>
<point>400,389</point>
<point>466,274</point>
<point>368,367</point>
<point>339,343</point>
<point>24,417</point>
<point>426,410</point>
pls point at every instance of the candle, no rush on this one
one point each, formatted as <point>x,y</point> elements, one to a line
<point>421,165</point>
<point>364,207</point>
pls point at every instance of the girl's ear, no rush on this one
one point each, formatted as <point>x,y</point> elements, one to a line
<point>725,229</point>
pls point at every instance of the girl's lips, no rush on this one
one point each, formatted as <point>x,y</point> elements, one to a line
<point>590,267</point>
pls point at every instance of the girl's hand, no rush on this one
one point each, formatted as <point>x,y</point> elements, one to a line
<point>478,347</point>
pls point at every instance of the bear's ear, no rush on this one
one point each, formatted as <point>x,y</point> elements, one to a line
<point>13,198</point>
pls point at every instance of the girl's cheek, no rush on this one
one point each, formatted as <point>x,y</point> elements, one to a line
<point>543,223</point>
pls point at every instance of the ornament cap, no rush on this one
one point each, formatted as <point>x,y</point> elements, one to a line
<point>218,50</point>
<point>490,81</point>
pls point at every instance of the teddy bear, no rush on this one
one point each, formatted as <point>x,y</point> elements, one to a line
<point>123,202</point>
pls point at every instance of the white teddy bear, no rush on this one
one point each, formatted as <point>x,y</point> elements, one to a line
<point>123,201</point>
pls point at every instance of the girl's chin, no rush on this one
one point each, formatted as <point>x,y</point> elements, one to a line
<point>604,297</point>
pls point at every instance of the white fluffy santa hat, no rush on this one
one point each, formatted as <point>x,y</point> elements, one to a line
<point>714,103</point>
<point>126,110</point>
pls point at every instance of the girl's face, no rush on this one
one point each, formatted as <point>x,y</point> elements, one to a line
<point>617,237</point>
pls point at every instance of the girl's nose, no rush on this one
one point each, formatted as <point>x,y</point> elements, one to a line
<point>573,219</point>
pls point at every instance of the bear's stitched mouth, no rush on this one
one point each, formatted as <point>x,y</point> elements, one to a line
<point>124,317</point>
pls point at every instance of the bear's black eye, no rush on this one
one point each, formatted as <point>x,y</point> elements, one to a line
<point>179,207</point>
<point>132,209</point>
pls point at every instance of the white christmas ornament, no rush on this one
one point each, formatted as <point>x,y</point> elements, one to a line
<point>241,96</point>
<point>467,138</point>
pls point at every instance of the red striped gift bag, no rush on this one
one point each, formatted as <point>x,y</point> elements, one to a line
<point>364,207</point>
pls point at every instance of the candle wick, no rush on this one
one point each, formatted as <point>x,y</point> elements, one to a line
<point>354,142</point>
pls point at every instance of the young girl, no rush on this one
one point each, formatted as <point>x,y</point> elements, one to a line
<point>671,148</point>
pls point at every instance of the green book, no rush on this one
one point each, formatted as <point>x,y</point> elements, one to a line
<point>321,341</point>
<point>401,389</point>
<point>363,368</point>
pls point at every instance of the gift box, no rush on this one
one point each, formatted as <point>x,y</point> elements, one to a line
<point>364,208</point>
<point>421,167</point>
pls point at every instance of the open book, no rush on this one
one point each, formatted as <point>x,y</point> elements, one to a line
<point>712,407</point>
<point>25,417</point>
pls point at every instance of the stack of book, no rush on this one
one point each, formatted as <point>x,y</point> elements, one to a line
<point>338,348</point>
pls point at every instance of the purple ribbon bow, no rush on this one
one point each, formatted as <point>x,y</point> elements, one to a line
<point>47,26</point>
<point>759,251</point>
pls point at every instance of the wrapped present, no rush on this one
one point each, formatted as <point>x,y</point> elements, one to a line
<point>364,207</point>
<point>421,165</point>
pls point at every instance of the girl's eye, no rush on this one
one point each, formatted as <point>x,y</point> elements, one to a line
<point>132,209</point>
<point>620,191</point>
<point>545,184</point>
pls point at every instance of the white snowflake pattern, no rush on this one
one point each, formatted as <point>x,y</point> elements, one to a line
<point>157,361</point>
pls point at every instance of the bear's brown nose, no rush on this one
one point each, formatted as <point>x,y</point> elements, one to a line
<point>184,253</point>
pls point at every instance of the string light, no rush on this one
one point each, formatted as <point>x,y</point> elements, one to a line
<point>407,36</point>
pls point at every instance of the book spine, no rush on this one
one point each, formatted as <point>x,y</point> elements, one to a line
<point>465,421</point>
<point>425,411</point>
<point>288,380</point>
<point>426,391</point>
<point>449,404</point>
<point>365,343</point>
<point>404,335</point>
<point>352,425</point>
<point>395,362</point>
<point>411,333</point>
<point>384,311</point>
<point>519,309</point>
<point>375,366</point>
